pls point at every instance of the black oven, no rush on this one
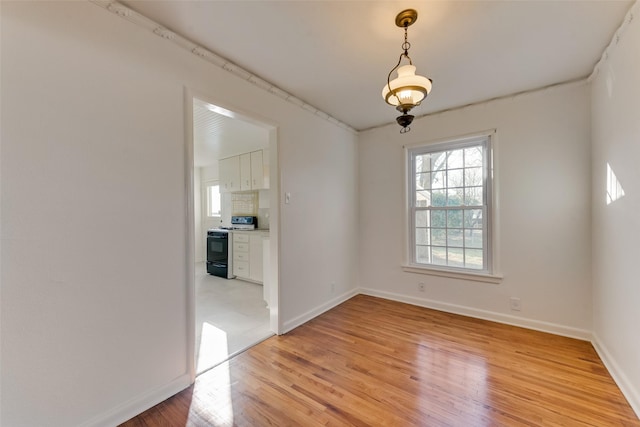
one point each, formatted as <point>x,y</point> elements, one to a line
<point>218,259</point>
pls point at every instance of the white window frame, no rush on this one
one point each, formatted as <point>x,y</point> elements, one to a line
<point>488,272</point>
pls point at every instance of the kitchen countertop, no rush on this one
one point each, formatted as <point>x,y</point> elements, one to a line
<point>261,231</point>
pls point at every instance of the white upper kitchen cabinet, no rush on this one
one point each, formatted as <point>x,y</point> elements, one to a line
<point>249,171</point>
<point>259,170</point>
<point>245,172</point>
<point>230,174</point>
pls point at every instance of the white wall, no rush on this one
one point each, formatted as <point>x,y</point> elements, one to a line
<point>321,220</point>
<point>207,174</point>
<point>542,167</point>
<point>616,227</point>
<point>198,214</point>
<point>94,304</point>
<point>210,173</point>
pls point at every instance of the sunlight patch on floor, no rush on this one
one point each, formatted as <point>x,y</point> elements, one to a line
<point>218,396</point>
<point>213,347</point>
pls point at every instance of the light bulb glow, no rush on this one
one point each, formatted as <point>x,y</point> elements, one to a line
<point>407,88</point>
<point>405,95</point>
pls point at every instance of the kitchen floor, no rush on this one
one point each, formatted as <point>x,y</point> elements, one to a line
<point>231,316</point>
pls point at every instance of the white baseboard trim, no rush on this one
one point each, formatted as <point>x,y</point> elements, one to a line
<point>536,325</point>
<point>630,392</point>
<point>305,317</point>
<point>139,404</point>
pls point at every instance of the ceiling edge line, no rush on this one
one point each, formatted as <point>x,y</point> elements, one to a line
<point>578,81</point>
<point>628,18</point>
<point>201,52</point>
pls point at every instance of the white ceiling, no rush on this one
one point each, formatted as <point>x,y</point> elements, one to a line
<point>217,136</point>
<point>335,55</point>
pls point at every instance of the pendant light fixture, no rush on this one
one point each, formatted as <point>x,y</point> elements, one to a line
<point>408,89</point>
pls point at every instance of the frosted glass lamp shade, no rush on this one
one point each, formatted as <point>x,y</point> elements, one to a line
<point>407,90</point>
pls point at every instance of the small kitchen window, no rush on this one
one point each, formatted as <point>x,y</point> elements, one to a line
<point>450,204</point>
<point>213,200</point>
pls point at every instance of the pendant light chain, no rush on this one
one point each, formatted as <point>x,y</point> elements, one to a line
<point>406,45</point>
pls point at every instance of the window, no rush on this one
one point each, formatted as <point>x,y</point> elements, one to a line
<point>213,200</point>
<point>450,205</point>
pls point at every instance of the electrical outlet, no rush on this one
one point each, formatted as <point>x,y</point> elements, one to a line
<point>515,304</point>
<point>421,287</point>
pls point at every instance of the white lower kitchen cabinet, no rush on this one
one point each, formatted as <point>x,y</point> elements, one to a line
<point>266,266</point>
<point>248,255</point>
<point>255,258</point>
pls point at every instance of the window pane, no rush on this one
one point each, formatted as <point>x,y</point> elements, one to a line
<point>422,254</point>
<point>422,236</point>
<point>455,196</point>
<point>455,178</point>
<point>454,159</point>
<point>439,256</point>
<point>423,199</point>
<point>439,218</point>
<point>456,257</point>
<point>421,218</point>
<point>454,237</point>
<point>473,196</point>
<point>213,200</point>
<point>423,163</point>
<point>473,259</point>
<point>473,218</point>
<point>439,236</point>
<point>438,198</point>
<point>473,238</point>
<point>438,179</point>
<point>473,156</point>
<point>438,160</point>
<point>423,181</point>
<point>454,218</point>
<point>473,177</point>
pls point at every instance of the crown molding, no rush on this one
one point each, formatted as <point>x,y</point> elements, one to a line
<point>202,52</point>
<point>633,10</point>
<point>552,87</point>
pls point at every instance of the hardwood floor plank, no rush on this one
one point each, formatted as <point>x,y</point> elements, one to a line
<point>374,362</point>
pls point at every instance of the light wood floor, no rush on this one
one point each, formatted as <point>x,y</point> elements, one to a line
<point>373,362</point>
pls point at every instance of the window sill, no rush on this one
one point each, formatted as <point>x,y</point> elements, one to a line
<point>464,275</point>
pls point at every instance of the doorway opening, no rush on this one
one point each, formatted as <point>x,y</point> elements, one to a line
<point>233,170</point>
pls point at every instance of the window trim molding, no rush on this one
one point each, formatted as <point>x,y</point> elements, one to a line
<point>453,273</point>
<point>491,274</point>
